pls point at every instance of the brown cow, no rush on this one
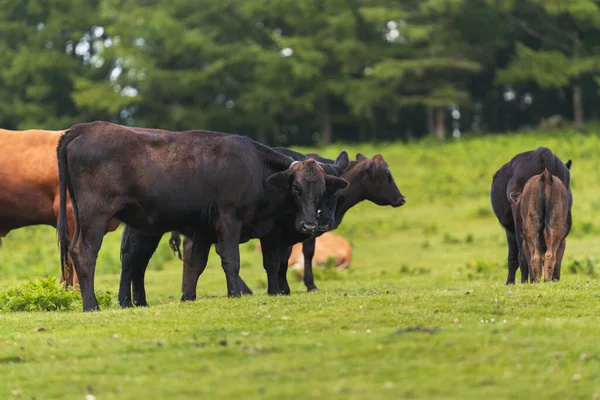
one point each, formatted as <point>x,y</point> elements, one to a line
<point>29,193</point>
<point>544,221</point>
<point>328,246</point>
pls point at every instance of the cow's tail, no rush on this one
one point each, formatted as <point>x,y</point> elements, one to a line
<point>175,244</point>
<point>547,159</point>
<point>62,227</point>
<point>546,198</point>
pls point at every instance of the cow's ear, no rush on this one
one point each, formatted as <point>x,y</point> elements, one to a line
<point>514,196</point>
<point>371,169</point>
<point>334,183</point>
<point>342,161</point>
<point>360,157</point>
<point>568,164</point>
<point>281,179</point>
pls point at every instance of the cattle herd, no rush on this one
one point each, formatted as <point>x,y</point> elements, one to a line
<point>224,189</point>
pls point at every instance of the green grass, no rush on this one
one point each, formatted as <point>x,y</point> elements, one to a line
<point>421,313</point>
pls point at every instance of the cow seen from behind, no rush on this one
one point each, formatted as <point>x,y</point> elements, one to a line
<point>512,177</point>
<point>543,221</point>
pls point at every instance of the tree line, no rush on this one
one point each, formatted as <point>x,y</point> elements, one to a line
<point>300,71</point>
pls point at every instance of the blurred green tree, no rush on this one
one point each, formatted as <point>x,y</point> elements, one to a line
<point>46,54</point>
<point>559,47</point>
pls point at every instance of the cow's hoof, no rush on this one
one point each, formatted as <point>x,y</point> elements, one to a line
<point>126,304</point>
<point>313,290</point>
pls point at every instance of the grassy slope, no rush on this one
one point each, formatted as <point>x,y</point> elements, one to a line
<point>438,262</point>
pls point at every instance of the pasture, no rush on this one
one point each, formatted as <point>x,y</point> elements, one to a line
<point>423,311</point>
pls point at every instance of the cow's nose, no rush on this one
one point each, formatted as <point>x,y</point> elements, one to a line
<point>309,227</point>
<point>399,202</point>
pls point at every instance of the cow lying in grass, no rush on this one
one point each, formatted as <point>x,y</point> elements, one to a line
<point>214,185</point>
<point>543,221</point>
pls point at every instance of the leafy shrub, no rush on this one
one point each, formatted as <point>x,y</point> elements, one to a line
<point>450,239</point>
<point>406,270</point>
<point>43,294</point>
<point>430,229</point>
<point>583,228</point>
<point>105,300</point>
<point>328,273</point>
<point>483,212</point>
<point>480,267</point>
<point>586,266</point>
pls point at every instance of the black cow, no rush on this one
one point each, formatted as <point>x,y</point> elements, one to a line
<point>512,177</point>
<point>157,181</point>
<point>370,179</point>
<point>137,246</point>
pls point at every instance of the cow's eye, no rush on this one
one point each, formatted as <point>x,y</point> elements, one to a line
<point>388,175</point>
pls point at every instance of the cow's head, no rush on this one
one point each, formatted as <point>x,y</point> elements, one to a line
<point>327,207</point>
<point>307,184</point>
<point>378,182</point>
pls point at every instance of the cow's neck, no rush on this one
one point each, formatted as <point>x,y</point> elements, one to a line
<point>352,195</point>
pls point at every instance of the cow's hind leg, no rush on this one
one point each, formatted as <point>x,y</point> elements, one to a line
<point>244,289</point>
<point>523,263</point>
<point>554,245</point>
<point>559,256</point>
<point>195,257</point>
<point>535,264</point>
<point>137,248</point>
<point>513,257</point>
<point>228,236</point>
<point>84,254</point>
<point>308,250</point>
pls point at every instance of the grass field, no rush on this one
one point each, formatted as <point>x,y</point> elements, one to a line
<point>422,312</point>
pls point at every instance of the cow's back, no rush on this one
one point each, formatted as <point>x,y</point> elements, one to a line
<point>526,165</point>
<point>513,176</point>
<point>175,174</point>
<point>28,177</point>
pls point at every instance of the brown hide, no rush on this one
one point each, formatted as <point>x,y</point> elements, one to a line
<point>29,184</point>
<point>544,221</point>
